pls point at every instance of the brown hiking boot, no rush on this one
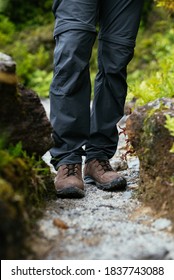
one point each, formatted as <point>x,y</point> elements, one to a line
<point>100,173</point>
<point>68,181</point>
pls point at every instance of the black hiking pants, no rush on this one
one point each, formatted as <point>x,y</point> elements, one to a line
<point>74,126</point>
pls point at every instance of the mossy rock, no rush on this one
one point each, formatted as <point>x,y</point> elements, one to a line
<point>23,193</point>
<point>152,141</point>
<point>14,222</point>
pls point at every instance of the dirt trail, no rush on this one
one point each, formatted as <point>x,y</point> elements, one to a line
<point>104,225</point>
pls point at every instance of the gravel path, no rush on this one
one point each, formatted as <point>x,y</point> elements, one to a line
<point>104,225</point>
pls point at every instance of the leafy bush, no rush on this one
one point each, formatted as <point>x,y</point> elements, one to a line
<point>29,11</point>
<point>152,76</point>
<point>28,62</point>
<point>3,5</point>
<point>32,50</point>
<point>7,29</point>
<point>168,4</point>
<point>150,72</point>
<point>40,82</point>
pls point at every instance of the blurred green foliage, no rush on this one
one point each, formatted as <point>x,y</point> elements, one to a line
<point>26,29</point>
<point>26,35</point>
<point>153,76</point>
<point>26,12</point>
<point>168,4</point>
<point>7,29</point>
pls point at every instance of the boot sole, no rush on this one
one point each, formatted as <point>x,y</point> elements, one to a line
<point>70,192</point>
<point>118,184</point>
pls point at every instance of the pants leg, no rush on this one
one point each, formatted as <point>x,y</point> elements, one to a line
<point>119,22</point>
<point>70,88</point>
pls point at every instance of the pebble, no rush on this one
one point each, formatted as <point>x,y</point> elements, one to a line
<point>162,223</point>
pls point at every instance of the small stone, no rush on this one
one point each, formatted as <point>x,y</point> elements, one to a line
<point>7,64</point>
<point>108,196</point>
<point>161,223</point>
<point>119,165</point>
<point>47,229</point>
<point>60,224</point>
<point>4,57</point>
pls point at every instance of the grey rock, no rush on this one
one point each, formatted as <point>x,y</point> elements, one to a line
<point>22,116</point>
<point>7,64</point>
<point>162,223</point>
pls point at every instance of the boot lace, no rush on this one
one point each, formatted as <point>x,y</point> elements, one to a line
<point>106,165</point>
<point>72,169</point>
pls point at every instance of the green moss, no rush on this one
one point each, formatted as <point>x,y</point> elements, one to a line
<point>14,224</point>
<point>170,126</point>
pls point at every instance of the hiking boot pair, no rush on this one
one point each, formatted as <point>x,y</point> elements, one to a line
<point>69,183</point>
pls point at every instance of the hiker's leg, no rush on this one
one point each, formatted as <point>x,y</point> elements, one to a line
<point>70,89</point>
<point>119,22</point>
